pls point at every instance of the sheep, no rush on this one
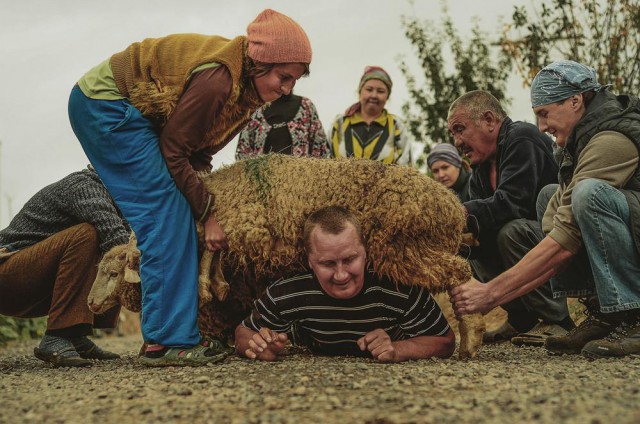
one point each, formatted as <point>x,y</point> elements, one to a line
<point>117,279</point>
<point>412,226</point>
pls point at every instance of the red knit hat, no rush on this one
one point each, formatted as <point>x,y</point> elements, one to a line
<point>276,38</point>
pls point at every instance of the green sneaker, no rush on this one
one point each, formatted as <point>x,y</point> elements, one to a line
<point>208,351</point>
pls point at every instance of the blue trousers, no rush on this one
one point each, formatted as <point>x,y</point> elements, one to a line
<point>608,264</point>
<point>124,149</point>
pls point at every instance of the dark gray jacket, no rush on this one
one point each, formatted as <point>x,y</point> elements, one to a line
<point>525,164</point>
<point>77,198</point>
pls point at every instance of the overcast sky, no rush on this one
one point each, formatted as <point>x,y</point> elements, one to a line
<point>46,45</point>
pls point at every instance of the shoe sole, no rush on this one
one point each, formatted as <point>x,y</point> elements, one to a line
<point>594,355</point>
<point>99,357</point>
<point>158,362</point>
<point>528,341</point>
<point>562,352</point>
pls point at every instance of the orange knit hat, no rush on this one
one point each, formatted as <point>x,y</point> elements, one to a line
<point>276,38</point>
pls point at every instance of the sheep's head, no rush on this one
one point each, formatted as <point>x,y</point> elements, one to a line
<point>119,266</point>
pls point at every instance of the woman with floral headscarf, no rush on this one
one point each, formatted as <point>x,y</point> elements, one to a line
<point>591,219</point>
<point>366,129</point>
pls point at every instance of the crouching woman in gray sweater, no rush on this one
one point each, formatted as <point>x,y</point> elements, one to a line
<point>48,261</point>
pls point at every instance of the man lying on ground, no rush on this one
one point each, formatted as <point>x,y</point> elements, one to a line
<point>340,308</point>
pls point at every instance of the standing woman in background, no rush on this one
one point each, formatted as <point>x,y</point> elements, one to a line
<point>367,130</point>
<point>289,125</point>
<point>149,118</point>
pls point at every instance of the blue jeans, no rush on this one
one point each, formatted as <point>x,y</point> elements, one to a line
<point>608,264</point>
<point>124,149</point>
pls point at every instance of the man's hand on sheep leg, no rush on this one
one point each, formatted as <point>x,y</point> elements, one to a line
<point>214,236</point>
<point>383,349</point>
<point>541,263</point>
<point>472,297</point>
<point>263,345</point>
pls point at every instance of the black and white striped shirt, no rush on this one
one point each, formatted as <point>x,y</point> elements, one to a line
<point>299,307</point>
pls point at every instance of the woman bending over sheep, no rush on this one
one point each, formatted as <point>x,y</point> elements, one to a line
<point>149,118</point>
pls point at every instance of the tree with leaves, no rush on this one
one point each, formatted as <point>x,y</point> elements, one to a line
<point>450,67</point>
<point>604,34</point>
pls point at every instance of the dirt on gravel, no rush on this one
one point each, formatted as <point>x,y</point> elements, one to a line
<point>504,384</point>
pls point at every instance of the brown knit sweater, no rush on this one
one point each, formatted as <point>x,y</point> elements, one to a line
<point>154,75</point>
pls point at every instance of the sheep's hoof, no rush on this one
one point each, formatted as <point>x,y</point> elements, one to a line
<point>471,330</point>
<point>221,289</point>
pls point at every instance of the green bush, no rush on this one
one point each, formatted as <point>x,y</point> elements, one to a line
<point>21,329</point>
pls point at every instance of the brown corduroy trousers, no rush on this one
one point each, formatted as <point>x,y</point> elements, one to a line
<point>54,277</point>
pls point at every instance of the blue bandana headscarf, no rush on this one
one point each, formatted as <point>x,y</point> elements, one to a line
<point>561,80</point>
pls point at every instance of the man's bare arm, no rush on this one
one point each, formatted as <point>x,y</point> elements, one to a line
<point>540,264</point>
<point>383,349</point>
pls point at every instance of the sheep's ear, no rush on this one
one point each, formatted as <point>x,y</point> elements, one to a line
<point>132,267</point>
<point>131,276</point>
<point>133,259</point>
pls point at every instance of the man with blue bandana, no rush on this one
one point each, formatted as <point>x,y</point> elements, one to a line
<point>591,219</point>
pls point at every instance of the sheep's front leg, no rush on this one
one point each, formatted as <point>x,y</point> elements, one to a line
<point>471,329</point>
<point>204,282</point>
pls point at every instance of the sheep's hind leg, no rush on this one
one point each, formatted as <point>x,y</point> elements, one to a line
<point>219,284</point>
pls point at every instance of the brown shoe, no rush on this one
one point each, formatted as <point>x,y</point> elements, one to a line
<point>502,334</point>
<point>538,334</point>
<point>623,341</point>
<point>596,326</point>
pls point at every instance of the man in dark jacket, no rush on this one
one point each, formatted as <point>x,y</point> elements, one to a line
<point>512,162</point>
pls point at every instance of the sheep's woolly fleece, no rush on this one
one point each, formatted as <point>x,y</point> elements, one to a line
<point>412,224</point>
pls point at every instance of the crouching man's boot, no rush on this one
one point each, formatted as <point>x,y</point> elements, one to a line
<point>595,326</point>
<point>623,341</point>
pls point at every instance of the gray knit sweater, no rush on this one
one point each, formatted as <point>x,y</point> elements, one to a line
<point>77,198</point>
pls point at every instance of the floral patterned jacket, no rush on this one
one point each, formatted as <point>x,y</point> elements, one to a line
<point>306,131</point>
